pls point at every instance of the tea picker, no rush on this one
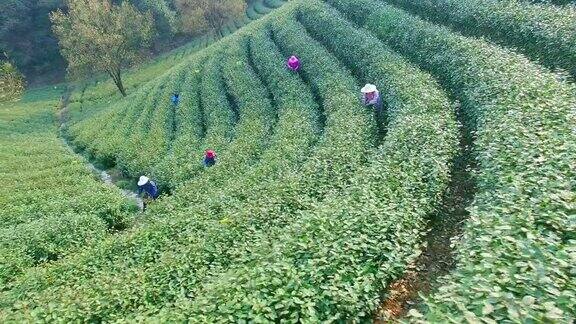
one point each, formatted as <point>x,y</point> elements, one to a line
<point>209,158</point>
<point>175,99</point>
<point>371,97</point>
<point>149,188</point>
<point>293,63</point>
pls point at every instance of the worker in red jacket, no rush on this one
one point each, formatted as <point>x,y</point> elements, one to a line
<point>209,158</point>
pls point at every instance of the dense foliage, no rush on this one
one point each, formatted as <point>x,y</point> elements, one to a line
<point>12,82</point>
<point>517,254</point>
<point>26,36</point>
<point>101,37</point>
<point>197,16</point>
<point>26,33</point>
<point>95,95</point>
<point>51,204</point>
<point>317,204</point>
<point>543,32</point>
<point>331,262</point>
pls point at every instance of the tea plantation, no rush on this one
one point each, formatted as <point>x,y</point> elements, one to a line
<point>316,204</point>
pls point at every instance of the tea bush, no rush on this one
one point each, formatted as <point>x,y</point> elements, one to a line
<point>315,205</point>
<point>190,123</point>
<point>151,135</point>
<point>514,259</point>
<point>329,264</point>
<point>543,32</point>
<point>51,204</point>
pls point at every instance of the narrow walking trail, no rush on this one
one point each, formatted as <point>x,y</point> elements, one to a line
<point>437,258</point>
<point>104,175</point>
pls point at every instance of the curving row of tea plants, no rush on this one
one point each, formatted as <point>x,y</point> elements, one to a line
<point>515,260</point>
<point>101,94</point>
<point>51,204</point>
<point>542,32</point>
<point>317,204</point>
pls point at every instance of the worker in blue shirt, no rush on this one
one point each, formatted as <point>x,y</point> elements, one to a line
<point>149,188</point>
<point>175,99</point>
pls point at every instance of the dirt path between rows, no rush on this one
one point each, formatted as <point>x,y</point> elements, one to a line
<point>104,175</point>
<point>437,259</point>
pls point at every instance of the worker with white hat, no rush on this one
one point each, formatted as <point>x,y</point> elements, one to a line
<point>147,187</point>
<point>371,97</point>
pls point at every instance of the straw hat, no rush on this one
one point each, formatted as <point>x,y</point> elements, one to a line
<point>143,180</point>
<point>369,88</point>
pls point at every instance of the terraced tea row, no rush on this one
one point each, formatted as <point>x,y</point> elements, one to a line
<point>317,204</point>
<point>336,157</point>
<point>543,32</point>
<point>516,254</point>
<point>51,204</point>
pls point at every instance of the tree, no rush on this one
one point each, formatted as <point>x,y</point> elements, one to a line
<point>198,16</point>
<point>12,83</point>
<point>98,36</point>
<point>26,36</point>
<point>165,16</point>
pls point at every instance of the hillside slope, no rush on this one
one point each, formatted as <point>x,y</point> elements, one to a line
<point>318,204</point>
<point>99,93</point>
<point>51,204</point>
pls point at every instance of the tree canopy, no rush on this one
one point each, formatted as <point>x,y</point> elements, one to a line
<point>198,16</point>
<point>98,36</point>
<point>12,83</point>
<point>25,35</point>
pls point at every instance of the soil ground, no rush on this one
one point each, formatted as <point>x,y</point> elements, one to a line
<point>438,258</point>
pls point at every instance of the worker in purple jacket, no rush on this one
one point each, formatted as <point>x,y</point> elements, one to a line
<point>149,188</point>
<point>293,63</point>
<point>371,97</point>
